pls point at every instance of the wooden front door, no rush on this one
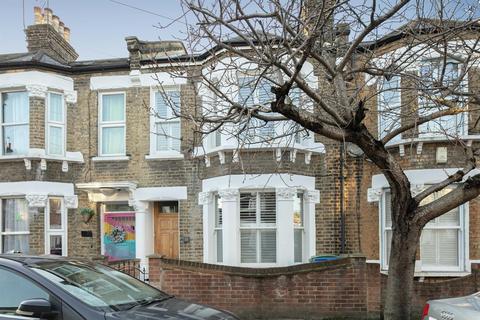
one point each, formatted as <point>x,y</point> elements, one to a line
<point>166,233</point>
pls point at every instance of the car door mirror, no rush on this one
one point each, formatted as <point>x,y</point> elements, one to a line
<point>36,308</point>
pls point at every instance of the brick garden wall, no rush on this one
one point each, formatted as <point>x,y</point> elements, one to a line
<point>348,288</point>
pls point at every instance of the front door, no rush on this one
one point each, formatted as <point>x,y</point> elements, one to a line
<point>166,229</point>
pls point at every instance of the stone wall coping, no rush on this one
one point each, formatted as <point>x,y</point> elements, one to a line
<point>343,261</point>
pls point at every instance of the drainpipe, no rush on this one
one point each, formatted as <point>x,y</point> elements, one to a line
<point>342,204</point>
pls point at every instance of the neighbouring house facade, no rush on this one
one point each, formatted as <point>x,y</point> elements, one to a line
<point>102,137</point>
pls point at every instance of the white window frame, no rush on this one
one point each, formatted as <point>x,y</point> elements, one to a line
<point>171,118</point>
<point>381,104</point>
<point>62,125</point>
<point>2,125</point>
<point>111,124</point>
<point>14,233</point>
<point>461,119</point>
<point>258,227</point>
<point>56,232</point>
<point>299,194</point>
<point>462,240</point>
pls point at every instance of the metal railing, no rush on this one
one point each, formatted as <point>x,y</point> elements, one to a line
<point>130,267</point>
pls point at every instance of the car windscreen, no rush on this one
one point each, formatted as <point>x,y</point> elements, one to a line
<point>98,286</point>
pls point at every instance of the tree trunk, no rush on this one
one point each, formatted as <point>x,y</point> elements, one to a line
<point>401,269</point>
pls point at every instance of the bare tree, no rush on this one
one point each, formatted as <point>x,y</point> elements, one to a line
<point>317,66</point>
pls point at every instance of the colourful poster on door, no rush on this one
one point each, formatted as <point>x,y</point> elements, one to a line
<point>119,235</point>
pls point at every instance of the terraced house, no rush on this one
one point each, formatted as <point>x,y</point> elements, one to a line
<point>102,135</point>
<point>103,138</point>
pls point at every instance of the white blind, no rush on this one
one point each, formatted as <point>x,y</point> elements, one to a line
<point>248,208</point>
<point>268,246</point>
<point>248,246</point>
<point>268,207</point>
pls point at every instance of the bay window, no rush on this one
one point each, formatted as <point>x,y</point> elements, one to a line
<point>112,124</point>
<point>441,242</point>
<point>15,229</point>
<point>258,234</point>
<point>55,124</point>
<point>166,124</point>
<point>15,122</point>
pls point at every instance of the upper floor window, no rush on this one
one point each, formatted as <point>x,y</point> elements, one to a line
<point>55,124</point>
<point>112,124</point>
<point>258,233</point>
<point>389,107</point>
<point>15,122</point>
<point>254,91</point>
<point>166,124</point>
<point>441,242</point>
<point>435,75</point>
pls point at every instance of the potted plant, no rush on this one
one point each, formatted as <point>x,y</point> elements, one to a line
<point>87,214</point>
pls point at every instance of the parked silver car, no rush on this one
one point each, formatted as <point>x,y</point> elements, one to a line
<point>463,308</point>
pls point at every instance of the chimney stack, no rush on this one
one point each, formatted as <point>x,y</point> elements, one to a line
<point>51,35</point>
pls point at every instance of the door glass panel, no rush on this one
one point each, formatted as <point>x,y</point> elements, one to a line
<point>56,245</point>
<point>168,207</point>
<point>16,289</point>
<point>55,213</point>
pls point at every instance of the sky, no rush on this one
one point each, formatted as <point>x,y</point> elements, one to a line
<point>98,27</point>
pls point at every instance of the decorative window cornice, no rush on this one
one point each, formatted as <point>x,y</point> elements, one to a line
<point>37,200</point>
<point>228,194</point>
<point>36,90</point>
<point>285,193</point>
<point>312,196</point>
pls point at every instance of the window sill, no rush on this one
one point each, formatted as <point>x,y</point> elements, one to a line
<point>112,158</point>
<point>429,139</point>
<point>34,154</point>
<point>165,156</point>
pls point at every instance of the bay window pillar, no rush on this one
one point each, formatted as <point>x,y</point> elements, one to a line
<point>285,226</point>
<point>231,226</point>
<point>141,232</point>
<point>205,199</point>
<point>310,197</point>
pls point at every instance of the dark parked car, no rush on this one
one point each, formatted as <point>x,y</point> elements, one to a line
<point>37,287</point>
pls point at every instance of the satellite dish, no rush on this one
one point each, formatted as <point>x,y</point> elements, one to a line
<point>353,150</point>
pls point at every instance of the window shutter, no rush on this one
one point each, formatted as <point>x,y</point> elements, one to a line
<point>248,208</point>
<point>268,246</point>
<point>245,90</point>
<point>175,101</point>
<point>389,104</point>
<point>175,132</point>
<point>297,245</point>
<point>428,247</point>
<point>447,247</point>
<point>162,132</point>
<point>248,246</point>
<point>161,107</point>
<point>219,236</point>
<point>268,207</point>
<point>265,94</point>
<point>388,210</point>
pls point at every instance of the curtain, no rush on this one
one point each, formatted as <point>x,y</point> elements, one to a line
<point>113,140</point>
<point>55,140</point>
<point>15,107</point>
<point>55,107</point>
<point>15,215</point>
<point>113,108</point>
<point>15,120</point>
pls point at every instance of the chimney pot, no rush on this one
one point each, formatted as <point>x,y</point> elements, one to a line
<point>66,34</point>
<point>61,29</point>
<point>38,15</point>
<point>55,22</point>
<point>47,16</point>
